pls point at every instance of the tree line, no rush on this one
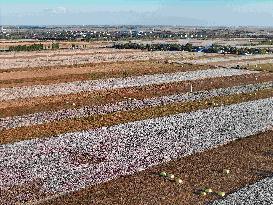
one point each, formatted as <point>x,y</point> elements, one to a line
<point>33,47</point>
<point>190,48</point>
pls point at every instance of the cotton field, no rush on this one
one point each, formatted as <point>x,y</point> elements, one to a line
<point>153,132</point>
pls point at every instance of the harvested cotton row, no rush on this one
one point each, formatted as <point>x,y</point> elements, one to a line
<point>45,117</point>
<point>113,83</point>
<point>127,148</point>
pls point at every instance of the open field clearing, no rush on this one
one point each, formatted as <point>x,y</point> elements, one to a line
<point>101,132</point>
<point>246,63</point>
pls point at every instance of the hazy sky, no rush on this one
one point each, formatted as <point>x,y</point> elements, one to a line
<point>148,12</point>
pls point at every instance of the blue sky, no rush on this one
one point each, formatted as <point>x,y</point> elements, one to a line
<point>147,12</point>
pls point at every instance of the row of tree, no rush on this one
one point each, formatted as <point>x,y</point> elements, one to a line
<point>155,47</point>
<point>33,47</point>
<point>55,46</point>
<point>235,50</point>
<point>190,48</point>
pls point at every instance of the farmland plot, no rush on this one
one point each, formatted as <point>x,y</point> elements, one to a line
<point>58,140</point>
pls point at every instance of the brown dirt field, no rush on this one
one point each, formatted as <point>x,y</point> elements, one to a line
<point>97,71</point>
<point>22,107</point>
<point>249,160</point>
<point>92,122</point>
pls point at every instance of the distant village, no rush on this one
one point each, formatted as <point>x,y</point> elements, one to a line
<point>224,40</point>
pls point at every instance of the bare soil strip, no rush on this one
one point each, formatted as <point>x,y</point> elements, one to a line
<point>95,121</point>
<point>248,160</point>
<point>54,103</point>
<point>97,71</point>
<point>80,69</point>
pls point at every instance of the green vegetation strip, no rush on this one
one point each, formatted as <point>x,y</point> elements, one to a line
<point>214,48</point>
<point>96,121</point>
<point>34,47</point>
